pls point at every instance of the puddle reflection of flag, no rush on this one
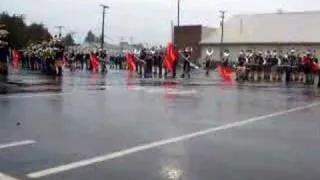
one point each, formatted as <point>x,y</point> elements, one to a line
<point>168,96</point>
<point>129,80</point>
<point>94,79</point>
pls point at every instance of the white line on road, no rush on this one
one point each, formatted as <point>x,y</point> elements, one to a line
<point>182,92</point>
<point>155,90</point>
<point>6,177</point>
<point>14,144</point>
<point>121,153</point>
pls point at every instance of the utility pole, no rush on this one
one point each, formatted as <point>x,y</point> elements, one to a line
<point>172,32</point>
<point>222,16</point>
<point>104,7</point>
<point>131,40</point>
<point>59,30</point>
<point>178,15</point>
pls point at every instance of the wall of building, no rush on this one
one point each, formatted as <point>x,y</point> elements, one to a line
<point>207,31</point>
<point>235,49</point>
<point>188,36</point>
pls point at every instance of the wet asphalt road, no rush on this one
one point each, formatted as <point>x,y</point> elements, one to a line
<point>83,116</point>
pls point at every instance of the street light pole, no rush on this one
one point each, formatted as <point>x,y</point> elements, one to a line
<point>178,15</point>
<point>104,7</point>
<point>222,16</point>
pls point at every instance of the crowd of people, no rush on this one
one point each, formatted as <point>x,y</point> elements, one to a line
<point>52,57</point>
<point>159,62</point>
<point>270,65</point>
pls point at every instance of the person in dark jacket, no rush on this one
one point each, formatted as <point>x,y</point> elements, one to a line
<point>186,63</point>
<point>4,54</point>
<point>141,61</point>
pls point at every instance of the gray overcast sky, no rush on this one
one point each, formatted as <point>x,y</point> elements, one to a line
<point>143,20</point>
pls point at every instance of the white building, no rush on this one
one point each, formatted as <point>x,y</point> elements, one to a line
<point>280,31</point>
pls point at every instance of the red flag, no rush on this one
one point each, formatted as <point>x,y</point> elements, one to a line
<point>225,72</point>
<point>315,67</point>
<point>172,52</point>
<point>15,58</point>
<point>94,62</point>
<point>170,58</point>
<point>131,62</point>
<point>167,64</point>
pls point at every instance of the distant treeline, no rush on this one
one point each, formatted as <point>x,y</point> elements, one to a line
<point>20,34</point>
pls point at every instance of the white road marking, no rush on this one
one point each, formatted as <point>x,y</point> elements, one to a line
<point>137,88</point>
<point>6,177</point>
<point>155,90</point>
<point>156,144</point>
<point>170,91</point>
<point>182,92</point>
<point>14,144</point>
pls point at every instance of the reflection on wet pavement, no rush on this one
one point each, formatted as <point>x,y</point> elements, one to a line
<point>83,116</point>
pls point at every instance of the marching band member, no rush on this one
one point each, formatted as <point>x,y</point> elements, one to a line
<point>208,61</point>
<point>307,66</point>
<point>293,61</point>
<point>4,54</point>
<point>159,61</point>
<point>273,65</point>
<point>59,56</point>
<point>241,59</point>
<point>186,63</point>
<point>149,63</point>
<point>241,69</point>
<point>103,60</point>
<point>225,58</point>
<point>141,61</point>
<point>258,60</point>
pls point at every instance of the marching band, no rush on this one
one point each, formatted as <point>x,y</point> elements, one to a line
<point>51,57</point>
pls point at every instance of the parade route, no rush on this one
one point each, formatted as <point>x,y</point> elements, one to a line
<point>114,128</point>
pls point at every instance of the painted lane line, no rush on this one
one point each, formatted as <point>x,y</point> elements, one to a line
<point>182,92</point>
<point>155,90</point>
<point>156,144</point>
<point>6,177</point>
<point>18,143</point>
<point>170,91</point>
<point>137,88</point>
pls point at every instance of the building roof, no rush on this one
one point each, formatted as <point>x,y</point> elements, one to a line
<point>281,27</point>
